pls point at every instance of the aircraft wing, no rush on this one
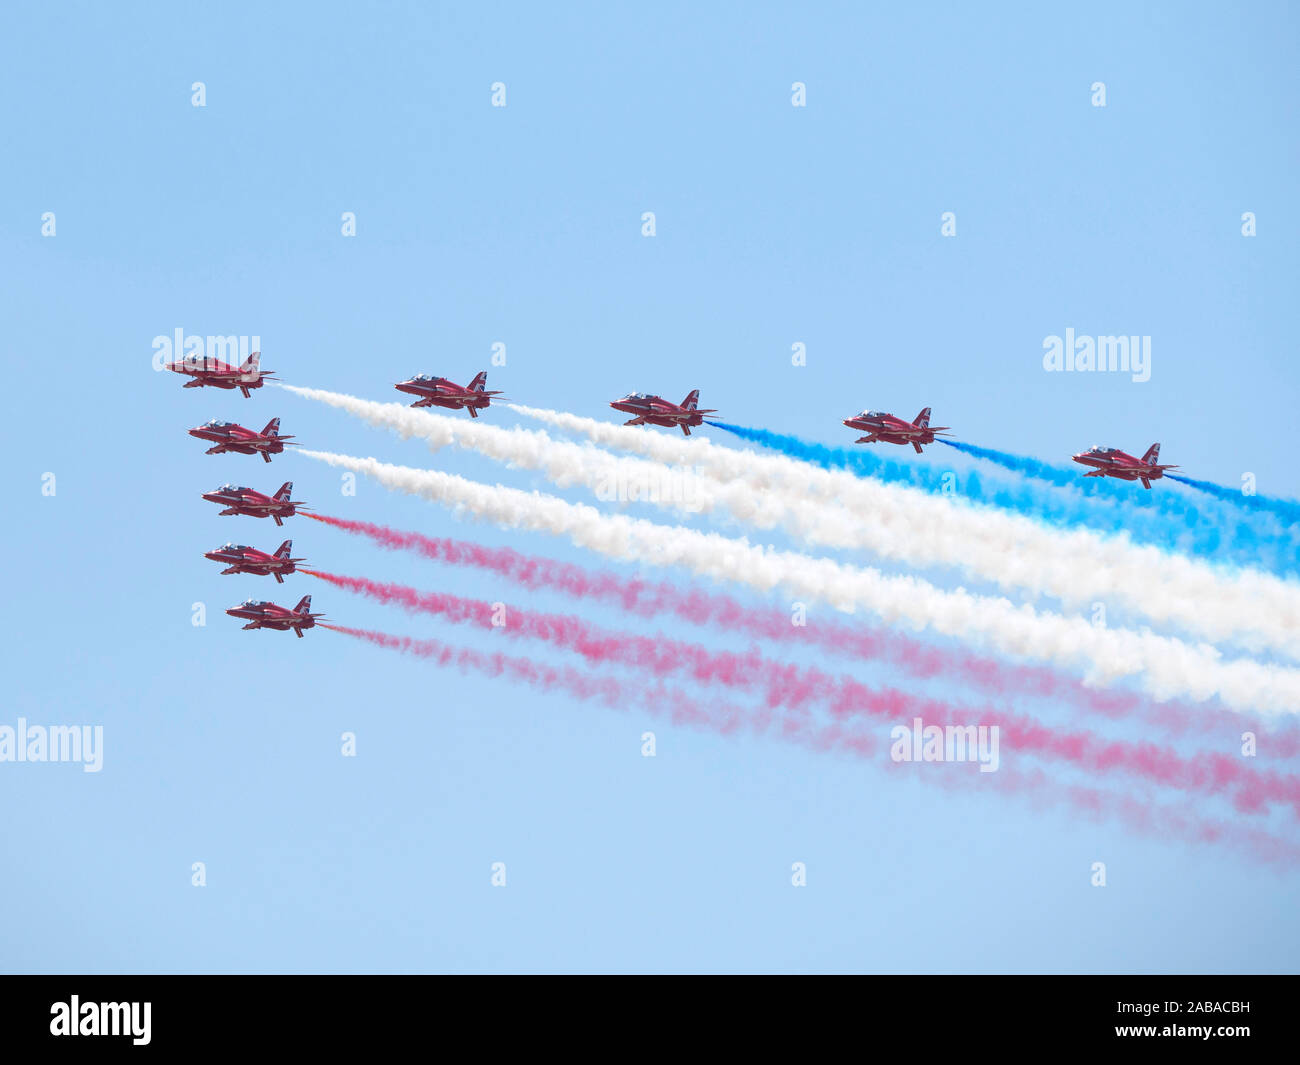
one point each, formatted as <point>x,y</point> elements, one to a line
<point>909,431</point>
<point>274,505</point>
<point>234,374</point>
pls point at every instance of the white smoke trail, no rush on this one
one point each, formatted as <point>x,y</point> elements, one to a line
<point>1163,666</point>
<point>1077,568</point>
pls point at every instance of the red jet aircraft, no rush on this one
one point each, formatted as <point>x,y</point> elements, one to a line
<point>228,436</point>
<point>653,410</point>
<point>437,391</point>
<point>214,373</point>
<point>263,615</point>
<point>238,500</point>
<point>892,430</point>
<point>242,559</point>
<point>1111,462</point>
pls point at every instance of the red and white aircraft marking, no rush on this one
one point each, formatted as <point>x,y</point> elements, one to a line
<point>437,391</point>
<point>893,430</point>
<point>1112,462</point>
<point>227,436</point>
<point>654,410</point>
<point>263,615</point>
<point>239,558</point>
<point>239,500</point>
<point>204,371</point>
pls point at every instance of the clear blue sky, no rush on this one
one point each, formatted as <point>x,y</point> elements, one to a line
<point>521,225</point>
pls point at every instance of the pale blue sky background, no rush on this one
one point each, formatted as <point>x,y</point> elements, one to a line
<point>522,225</point>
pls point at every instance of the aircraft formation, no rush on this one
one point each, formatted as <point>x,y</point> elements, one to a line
<point>433,390</point>
<point>229,437</point>
<point>879,426</point>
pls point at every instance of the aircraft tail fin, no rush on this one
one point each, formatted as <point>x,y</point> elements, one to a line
<point>250,364</point>
<point>692,399</point>
<point>285,493</point>
<point>480,381</point>
<point>272,428</point>
<point>284,550</point>
<point>922,420</point>
<point>304,605</point>
<point>1152,455</point>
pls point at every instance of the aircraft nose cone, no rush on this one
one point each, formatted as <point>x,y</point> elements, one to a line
<point>193,432</point>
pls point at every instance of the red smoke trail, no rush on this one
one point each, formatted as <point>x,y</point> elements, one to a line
<point>1149,819</point>
<point>648,599</point>
<point>1134,812</point>
<point>613,691</point>
<point>801,688</point>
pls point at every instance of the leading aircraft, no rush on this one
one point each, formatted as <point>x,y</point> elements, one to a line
<point>240,558</point>
<point>227,436</point>
<point>893,430</point>
<point>205,371</point>
<point>437,391</point>
<point>239,500</point>
<point>263,615</point>
<point>1112,462</point>
<point>653,410</point>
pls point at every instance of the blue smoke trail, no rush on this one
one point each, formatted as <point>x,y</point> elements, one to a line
<point>1043,471</point>
<point>1286,509</point>
<point>1167,520</point>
